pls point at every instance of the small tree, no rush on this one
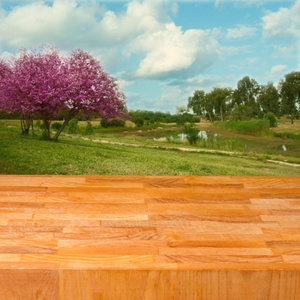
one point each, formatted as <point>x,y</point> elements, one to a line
<point>271,117</point>
<point>192,134</point>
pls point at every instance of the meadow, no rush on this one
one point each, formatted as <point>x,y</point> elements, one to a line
<point>149,150</point>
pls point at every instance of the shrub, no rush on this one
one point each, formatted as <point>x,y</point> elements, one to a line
<point>56,126</point>
<point>191,134</point>
<point>88,129</point>
<point>73,126</point>
<point>104,123</point>
<point>117,122</point>
<point>138,121</point>
<point>271,117</point>
<point>39,124</point>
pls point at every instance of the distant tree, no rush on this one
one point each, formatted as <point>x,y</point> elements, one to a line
<point>246,94</point>
<point>268,99</point>
<point>196,102</point>
<point>241,112</point>
<point>289,89</point>
<point>202,103</point>
<point>220,98</point>
<point>181,112</point>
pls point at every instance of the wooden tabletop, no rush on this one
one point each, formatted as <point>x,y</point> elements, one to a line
<point>139,237</point>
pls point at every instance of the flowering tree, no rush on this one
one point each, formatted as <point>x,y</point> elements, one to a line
<point>5,71</point>
<point>35,86</point>
<point>90,89</point>
<point>46,83</point>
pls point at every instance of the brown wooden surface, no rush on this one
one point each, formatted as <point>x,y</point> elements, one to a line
<point>138,237</point>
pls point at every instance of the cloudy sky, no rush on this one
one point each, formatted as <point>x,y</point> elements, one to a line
<point>163,50</point>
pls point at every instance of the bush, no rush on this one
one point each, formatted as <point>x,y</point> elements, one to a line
<point>191,134</point>
<point>56,126</point>
<point>73,126</point>
<point>271,117</point>
<point>88,129</point>
<point>139,121</point>
<point>39,124</point>
<point>117,122</point>
<point>104,123</point>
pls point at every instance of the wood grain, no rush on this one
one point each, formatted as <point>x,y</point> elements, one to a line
<point>142,237</point>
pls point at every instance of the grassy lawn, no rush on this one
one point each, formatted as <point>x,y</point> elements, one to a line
<point>72,155</point>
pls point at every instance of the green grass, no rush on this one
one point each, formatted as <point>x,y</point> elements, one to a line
<point>251,127</point>
<point>21,154</point>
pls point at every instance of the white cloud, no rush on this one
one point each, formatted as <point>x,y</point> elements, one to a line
<point>278,69</point>
<point>284,26</point>
<point>171,52</point>
<point>124,83</point>
<point>143,29</point>
<point>241,31</point>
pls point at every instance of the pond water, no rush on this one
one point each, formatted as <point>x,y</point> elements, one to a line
<point>204,135</point>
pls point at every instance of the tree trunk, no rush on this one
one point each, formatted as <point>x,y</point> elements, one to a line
<point>25,125</point>
<point>47,129</point>
<point>221,114</point>
<point>32,127</point>
<point>65,123</point>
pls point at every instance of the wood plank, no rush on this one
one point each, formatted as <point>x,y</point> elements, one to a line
<point>144,237</point>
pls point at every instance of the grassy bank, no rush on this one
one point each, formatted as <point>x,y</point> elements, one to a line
<point>251,127</point>
<point>31,155</point>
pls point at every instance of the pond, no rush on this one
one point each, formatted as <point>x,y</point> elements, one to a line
<point>203,135</point>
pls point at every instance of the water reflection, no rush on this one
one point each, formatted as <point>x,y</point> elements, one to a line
<point>203,135</point>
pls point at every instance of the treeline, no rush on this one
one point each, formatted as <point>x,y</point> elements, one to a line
<point>249,100</point>
<point>145,117</point>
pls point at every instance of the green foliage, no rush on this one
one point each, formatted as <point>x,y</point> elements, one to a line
<point>104,123</point>
<point>269,99</point>
<point>117,122</point>
<point>196,102</point>
<point>138,121</point>
<point>191,134</point>
<point>88,129</point>
<point>56,125</point>
<point>151,117</point>
<point>271,117</point>
<point>40,124</point>
<point>290,94</point>
<point>246,93</point>
<point>251,127</point>
<point>73,126</point>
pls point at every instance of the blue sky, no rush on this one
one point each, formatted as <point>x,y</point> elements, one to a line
<point>161,51</point>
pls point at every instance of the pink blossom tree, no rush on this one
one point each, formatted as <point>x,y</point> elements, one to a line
<point>90,89</point>
<point>35,86</point>
<point>45,83</point>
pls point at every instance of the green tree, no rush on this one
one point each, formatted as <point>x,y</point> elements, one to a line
<point>181,112</point>
<point>196,103</point>
<point>268,99</point>
<point>220,98</point>
<point>290,94</point>
<point>246,94</point>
